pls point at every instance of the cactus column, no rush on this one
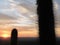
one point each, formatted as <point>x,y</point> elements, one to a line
<point>46,22</point>
<point>14,37</point>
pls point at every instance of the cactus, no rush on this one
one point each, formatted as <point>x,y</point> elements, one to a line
<point>14,37</point>
<point>46,22</point>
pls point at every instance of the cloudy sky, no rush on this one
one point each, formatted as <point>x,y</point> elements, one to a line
<point>21,14</point>
<point>57,11</point>
<point>17,10</point>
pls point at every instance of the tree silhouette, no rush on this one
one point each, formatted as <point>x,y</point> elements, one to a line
<point>14,37</point>
<point>46,22</point>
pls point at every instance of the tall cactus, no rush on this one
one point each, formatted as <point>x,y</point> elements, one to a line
<point>46,22</point>
<point>14,37</point>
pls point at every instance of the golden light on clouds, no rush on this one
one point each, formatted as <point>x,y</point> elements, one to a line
<point>22,32</point>
<point>22,9</point>
<point>28,34</point>
<point>57,31</point>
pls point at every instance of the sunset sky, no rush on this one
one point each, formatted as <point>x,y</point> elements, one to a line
<point>57,16</point>
<point>18,14</point>
<point>21,14</point>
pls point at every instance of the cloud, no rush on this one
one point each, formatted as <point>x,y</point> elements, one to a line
<point>56,6</point>
<point>11,0</point>
<point>14,2</point>
<point>23,19</point>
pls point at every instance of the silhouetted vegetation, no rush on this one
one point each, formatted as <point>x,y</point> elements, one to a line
<point>46,27</point>
<point>46,22</point>
<point>14,37</point>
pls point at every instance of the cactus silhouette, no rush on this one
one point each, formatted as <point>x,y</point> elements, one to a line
<point>46,22</point>
<point>14,37</point>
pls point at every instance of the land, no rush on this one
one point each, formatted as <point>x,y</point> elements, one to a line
<point>25,41</point>
<point>21,41</point>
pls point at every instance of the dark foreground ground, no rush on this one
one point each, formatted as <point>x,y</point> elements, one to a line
<point>25,41</point>
<point>21,41</point>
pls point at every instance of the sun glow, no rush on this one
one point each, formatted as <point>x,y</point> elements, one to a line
<point>5,35</point>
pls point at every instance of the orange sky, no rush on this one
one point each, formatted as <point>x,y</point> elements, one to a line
<point>22,32</point>
<point>57,31</point>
